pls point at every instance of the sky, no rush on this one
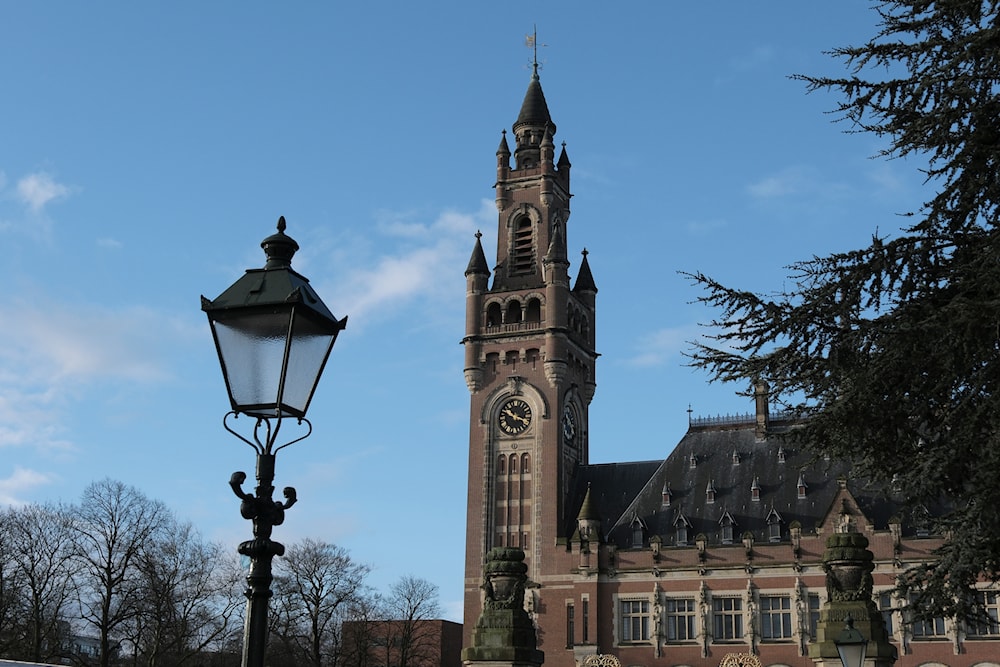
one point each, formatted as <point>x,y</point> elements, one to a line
<point>147,148</point>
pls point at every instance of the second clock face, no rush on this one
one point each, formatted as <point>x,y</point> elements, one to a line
<point>515,416</point>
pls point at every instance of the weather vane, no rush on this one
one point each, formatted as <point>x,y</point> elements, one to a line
<point>531,41</point>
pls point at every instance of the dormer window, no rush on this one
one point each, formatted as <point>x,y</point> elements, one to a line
<point>781,454</point>
<point>681,525</point>
<point>755,490</point>
<point>710,492</point>
<point>692,461</point>
<point>666,495</point>
<point>736,458</point>
<point>801,487</point>
<point>773,526</point>
<point>727,524</point>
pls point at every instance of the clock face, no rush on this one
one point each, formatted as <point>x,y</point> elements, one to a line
<point>515,416</point>
<point>569,427</point>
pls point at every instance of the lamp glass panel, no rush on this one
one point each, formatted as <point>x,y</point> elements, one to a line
<point>311,343</point>
<point>252,348</point>
<point>852,655</point>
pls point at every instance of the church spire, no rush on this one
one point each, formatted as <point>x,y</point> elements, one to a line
<point>532,123</point>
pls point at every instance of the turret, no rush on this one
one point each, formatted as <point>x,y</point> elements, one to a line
<point>477,276</point>
<point>532,124</point>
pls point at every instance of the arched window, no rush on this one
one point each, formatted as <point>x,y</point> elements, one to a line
<point>502,465</point>
<point>494,315</point>
<point>513,464</point>
<point>525,464</point>
<point>523,255</point>
<point>513,312</point>
<point>534,313</point>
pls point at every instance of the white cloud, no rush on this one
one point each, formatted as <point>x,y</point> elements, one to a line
<point>659,347</point>
<point>422,259</point>
<point>37,190</point>
<point>788,181</point>
<point>111,244</point>
<point>12,488</point>
<point>54,351</point>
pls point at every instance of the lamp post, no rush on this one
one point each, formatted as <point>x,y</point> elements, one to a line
<point>273,334</point>
<point>851,645</point>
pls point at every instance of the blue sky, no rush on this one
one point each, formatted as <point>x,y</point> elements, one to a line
<point>147,148</point>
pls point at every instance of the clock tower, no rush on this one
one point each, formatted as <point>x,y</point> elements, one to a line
<point>529,358</point>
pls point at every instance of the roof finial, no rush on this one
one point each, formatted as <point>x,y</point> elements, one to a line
<point>531,41</point>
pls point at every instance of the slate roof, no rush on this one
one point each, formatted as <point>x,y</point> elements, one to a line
<point>626,492</point>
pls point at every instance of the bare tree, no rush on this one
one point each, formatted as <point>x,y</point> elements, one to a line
<point>189,598</point>
<point>316,583</point>
<point>112,526</point>
<point>412,638</point>
<point>36,542</point>
<point>362,631</point>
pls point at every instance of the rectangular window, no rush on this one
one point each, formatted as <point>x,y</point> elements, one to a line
<point>586,621</point>
<point>929,629</point>
<point>885,606</point>
<point>635,620</point>
<point>813,615</point>
<point>775,617</point>
<point>727,619</point>
<point>570,625</point>
<point>990,625</point>
<point>680,620</point>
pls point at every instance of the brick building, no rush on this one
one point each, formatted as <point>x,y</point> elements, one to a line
<point>716,549</point>
<point>419,643</point>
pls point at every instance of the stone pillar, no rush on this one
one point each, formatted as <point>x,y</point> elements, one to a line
<point>849,564</point>
<point>504,635</point>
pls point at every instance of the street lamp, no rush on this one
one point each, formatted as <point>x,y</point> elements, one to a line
<point>273,334</point>
<point>851,645</point>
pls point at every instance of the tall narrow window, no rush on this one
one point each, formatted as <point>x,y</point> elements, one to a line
<point>885,606</point>
<point>586,620</point>
<point>523,258</point>
<point>570,626</point>
<point>814,615</point>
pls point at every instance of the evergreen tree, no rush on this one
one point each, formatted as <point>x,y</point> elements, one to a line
<point>892,351</point>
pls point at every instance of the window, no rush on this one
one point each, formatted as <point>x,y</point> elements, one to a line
<point>523,259</point>
<point>773,526</point>
<point>727,619</point>
<point>570,627</point>
<point>813,615</point>
<point>885,606</point>
<point>989,626</point>
<point>727,524</point>
<point>635,620</point>
<point>682,534</point>
<point>586,620</point>
<point>775,617</point>
<point>929,629</point>
<point>680,620</point>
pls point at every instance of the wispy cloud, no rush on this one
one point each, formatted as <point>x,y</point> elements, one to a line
<point>789,181</point>
<point>414,259</point>
<point>53,351</point>
<point>20,481</point>
<point>37,190</point>
<point>664,345</point>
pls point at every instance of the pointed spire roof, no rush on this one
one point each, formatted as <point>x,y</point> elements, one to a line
<point>584,278</point>
<point>557,246</point>
<point>534,110</point>
<point>588,510</point>
<point>504,149</point>
<point>563,158</point>
<point>477,263</point>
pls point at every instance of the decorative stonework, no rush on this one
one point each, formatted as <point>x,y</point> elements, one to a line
<point>603,660</point>
<point>740,660</point>
<point>504,634</point>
